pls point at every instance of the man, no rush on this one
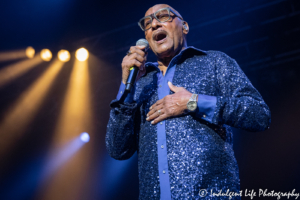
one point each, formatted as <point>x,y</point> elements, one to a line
<point>179,113</point>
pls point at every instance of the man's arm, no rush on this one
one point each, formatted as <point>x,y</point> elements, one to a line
<point>239,105</point>
<point>121,136</point>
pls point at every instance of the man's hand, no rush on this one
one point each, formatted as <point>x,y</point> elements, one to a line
<point>137,58</point>
<point>170,106</point>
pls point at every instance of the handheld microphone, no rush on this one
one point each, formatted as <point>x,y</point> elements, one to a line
<point>134,70</point>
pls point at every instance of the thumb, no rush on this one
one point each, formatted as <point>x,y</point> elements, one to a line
<point>172,87</point>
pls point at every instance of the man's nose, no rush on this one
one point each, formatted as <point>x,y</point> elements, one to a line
<point>155,23</point>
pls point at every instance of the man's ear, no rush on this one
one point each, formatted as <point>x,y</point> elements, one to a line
<point>185,27</point>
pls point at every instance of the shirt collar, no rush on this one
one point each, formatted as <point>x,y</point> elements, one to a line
<point>190,50</point>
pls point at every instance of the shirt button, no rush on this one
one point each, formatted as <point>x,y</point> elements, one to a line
<point>162,146</point>
<point>121,92</point>
<point>204,116</point>
<point>159,85</point>
<point>161,123</point>
<point>164,171</point>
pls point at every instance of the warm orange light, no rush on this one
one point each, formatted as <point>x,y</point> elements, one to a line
<point>13,55</point>
<point>64,55</point>
<point>46,55</point>
<point>26,107</point>
<point>76,116</point>
<point>76,110</point>
<point>30,52</point>
<point>82,54</point>
<point>15,70</point>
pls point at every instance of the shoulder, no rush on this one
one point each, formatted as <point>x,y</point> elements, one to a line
<point>213,56</point>
<point>218,55</point>
<point>222,60</point>
<point>209,53</point>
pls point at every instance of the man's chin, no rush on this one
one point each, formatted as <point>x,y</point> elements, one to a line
<point>164,51</point>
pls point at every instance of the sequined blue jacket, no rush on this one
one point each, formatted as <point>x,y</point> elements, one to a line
<point>199,150</point>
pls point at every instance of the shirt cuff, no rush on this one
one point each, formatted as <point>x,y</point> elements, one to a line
<point>129,97</point>
<point>121,91</point>
<point>206,107</point>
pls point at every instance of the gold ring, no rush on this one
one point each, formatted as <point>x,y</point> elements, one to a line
<point>129,53</point>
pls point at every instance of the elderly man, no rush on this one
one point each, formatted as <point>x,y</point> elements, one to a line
<point>179,113</point>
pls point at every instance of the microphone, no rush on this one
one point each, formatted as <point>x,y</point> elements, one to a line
<point>134,70</point>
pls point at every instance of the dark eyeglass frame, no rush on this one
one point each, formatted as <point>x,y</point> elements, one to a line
<point>153,15</point>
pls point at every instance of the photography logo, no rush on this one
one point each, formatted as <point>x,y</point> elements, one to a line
<point>202,192</point>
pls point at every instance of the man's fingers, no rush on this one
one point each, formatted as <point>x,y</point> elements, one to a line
<point>134,62</point>
<point>141,47</point>
<point>155,107</point>
<point>137,57</point>
<point>157,103</point>
<point>154,113</point>
<point>138,50</point>
<point>159,119</point>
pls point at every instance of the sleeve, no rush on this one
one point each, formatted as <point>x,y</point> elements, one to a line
<point>239,104</point>
<point>121,135</point>
<point>206,106</point>
<point>122,93</point>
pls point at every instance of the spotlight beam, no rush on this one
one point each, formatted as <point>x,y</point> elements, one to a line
<point>31,174</point>
<point>11,72</point>
<point>17,54</point>
<point>75,117</point>
<point>60,156</point>
<point>26,107</point>
<point>76,113</point>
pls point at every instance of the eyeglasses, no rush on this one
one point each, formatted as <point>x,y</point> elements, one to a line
<point>162,15</point>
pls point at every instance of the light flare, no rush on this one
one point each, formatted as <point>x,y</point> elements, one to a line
<point>46,55</point>
<point>64,55</point>
<point>30,52</point>
<point>82,54</point>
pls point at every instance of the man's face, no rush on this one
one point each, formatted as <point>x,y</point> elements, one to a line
<point>165,39</point>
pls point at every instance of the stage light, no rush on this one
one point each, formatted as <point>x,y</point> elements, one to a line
<point>30,52</point>
<point>85,137</point>
<point>82,54</point>
<point>25,108</point>
<point>63,55</point>
<point>46,55</point>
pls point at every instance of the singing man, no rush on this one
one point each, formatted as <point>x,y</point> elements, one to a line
<point>179,114</point>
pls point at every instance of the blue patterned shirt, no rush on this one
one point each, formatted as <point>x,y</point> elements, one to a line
<point>189,156</point>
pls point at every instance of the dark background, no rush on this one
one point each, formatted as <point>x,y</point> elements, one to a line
<point>262,35</point>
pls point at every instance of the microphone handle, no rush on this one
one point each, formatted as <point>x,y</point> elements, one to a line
<point>131,78</point>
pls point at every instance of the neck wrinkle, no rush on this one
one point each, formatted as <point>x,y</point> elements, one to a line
<point>163,63</point>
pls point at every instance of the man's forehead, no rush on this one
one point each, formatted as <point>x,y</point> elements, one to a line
<point>157,7</point>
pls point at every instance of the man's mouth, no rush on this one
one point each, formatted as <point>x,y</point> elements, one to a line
<point>160,36</point>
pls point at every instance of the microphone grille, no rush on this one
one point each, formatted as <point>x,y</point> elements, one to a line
<point>143,42</point>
